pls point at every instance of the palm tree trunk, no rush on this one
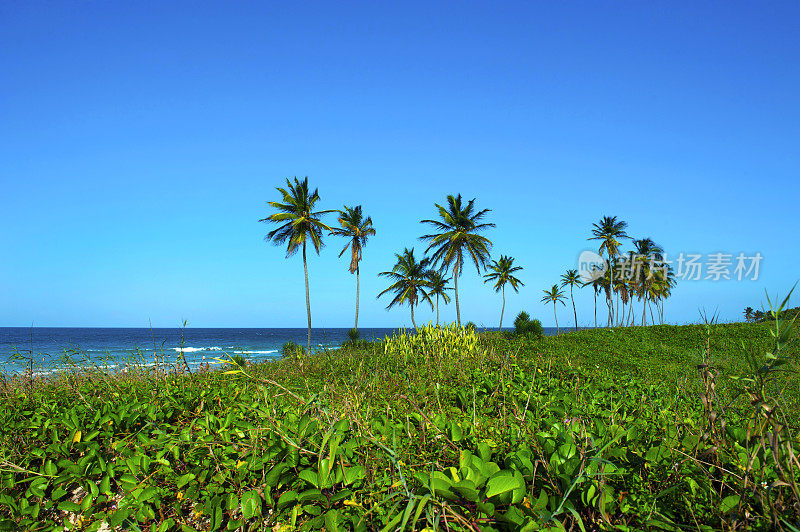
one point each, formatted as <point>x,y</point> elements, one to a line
<point>644,308</point>
<point>503,309</point>
<point>595,309</point>
<point>414,323</point>
<point>574,312</point>
<point>358,287</point>
<point>437,310</point>
<point>308,299</point>
<point>455,285</point>
<point>556,317</point>
<point>611,281</point>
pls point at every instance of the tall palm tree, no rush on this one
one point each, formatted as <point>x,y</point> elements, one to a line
<point>411,281</point>
<point>571,279</point>
<point>439,288</point>
<point>665,281</point>
<point>748,314</point>
<point>357,230</point>
<point>649,254</point>
<point>501,272</point>
<point>459,227</point>
<point>300,223</point>
<point>554,295</point>
<point>596,282</point>
<point>610,231</point>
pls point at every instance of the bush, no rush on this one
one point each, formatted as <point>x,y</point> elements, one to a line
<point>471,326</point>
<point>239,360</point>
<point>291,350</point>
<point>354,340</point>
<point>525,325</point>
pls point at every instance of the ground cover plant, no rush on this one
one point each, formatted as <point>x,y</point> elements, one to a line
<point>666,427</point>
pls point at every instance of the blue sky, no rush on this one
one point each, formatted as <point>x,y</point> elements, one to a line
<point>141,141</point>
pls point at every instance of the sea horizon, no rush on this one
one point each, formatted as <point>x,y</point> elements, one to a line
<point>113,348</point>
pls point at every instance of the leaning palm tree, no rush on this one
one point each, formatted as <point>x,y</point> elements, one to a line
<point>300,223</point>
<point>571,279</point>
<point>459,227</point>
<point>501,272</point>
<point>439,288</point>
<point>356,229</point>
<point>554,295</point>
<point>411,281</point>
<point>610,231</point>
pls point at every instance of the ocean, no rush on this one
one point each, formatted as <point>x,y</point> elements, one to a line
<point>55,348</point>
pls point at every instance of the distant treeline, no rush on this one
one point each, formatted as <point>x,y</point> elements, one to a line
<point>758,316</point>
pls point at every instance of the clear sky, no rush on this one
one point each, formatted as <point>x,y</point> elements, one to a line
<point>140,142</point>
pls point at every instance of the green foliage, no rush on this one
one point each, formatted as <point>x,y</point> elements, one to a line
<point>523,324</point>
<point>354,340</point>
<point>443,429</point>
<point>292,350</point>
<point>239,360</point>
<point>471,326</point>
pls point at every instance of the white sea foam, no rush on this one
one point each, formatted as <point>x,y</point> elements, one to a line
<point>195,349</point>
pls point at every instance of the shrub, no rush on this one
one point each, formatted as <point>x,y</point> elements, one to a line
<point>354,340</point>
<point>433,342</point>
<point>471,326</point>
<point>239,360</point>
<point>525,325</point>
<point>291,349</point>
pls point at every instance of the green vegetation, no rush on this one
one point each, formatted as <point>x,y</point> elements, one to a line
<point>663,427</point>
<point>523,324</point>
<point>291,350</point>
<point>751,315</point>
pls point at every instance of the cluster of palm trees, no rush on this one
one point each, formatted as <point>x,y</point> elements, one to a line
<point>300,223</point>
<point>457,238</point>
<point>642,274</point>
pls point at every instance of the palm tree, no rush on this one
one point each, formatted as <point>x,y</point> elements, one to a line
<point>748,314</point>
<point>571,279</point>
<point>356,229</point>
<point>411,281</point>
<point>649,254</point>
<point>610,231</point>
<point>459,228</point>
<point>502,272</point>
<point>299,225</point>
<point>596,282</point>
<point>554,295</point>
<point>439,289</point>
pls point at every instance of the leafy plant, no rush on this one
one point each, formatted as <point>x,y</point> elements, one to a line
<point>523,324</point>
<point>291,350</point>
